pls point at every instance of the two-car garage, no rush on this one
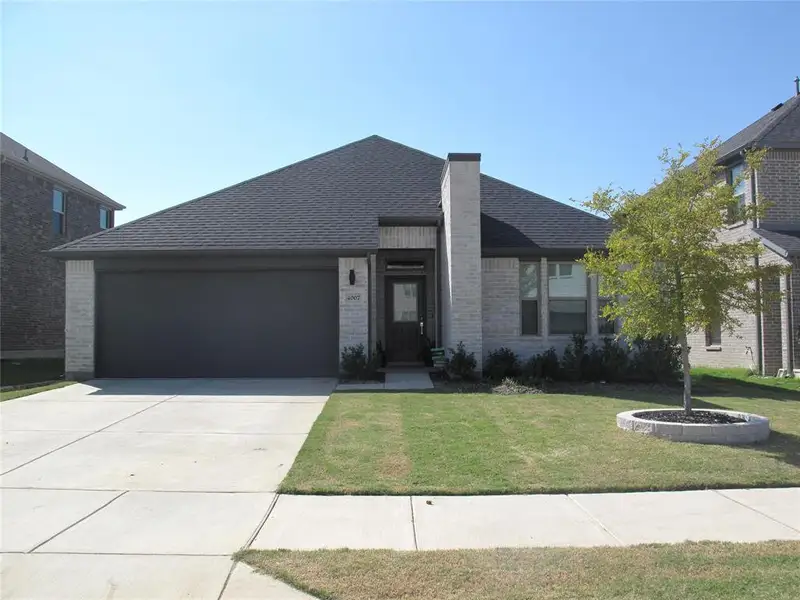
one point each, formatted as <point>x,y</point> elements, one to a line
<point>207,322</point>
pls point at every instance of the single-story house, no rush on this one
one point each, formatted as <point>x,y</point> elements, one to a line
<point>372,243</point>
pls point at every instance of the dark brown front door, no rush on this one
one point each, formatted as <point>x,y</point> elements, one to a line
<point>405,314</point>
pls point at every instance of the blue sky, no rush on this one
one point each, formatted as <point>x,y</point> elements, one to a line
<point>155,103</point>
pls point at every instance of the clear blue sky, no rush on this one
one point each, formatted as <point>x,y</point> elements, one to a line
<point>155,103</point>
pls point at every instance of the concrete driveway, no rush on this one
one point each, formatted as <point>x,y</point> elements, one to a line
<point>132,489</point>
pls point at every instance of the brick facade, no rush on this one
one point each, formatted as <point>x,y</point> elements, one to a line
<point>79,331</point>
<point>32,288</point>
<point>502,322</point>
<point>778,184</point>
<point>461,256</point>
<point>353,303</point>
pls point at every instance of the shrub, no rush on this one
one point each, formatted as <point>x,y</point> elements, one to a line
<point>501,363</point>
<point>461,364</point>
<point>613,359</point>
<point>543,366</point>
<point>656,360</point>
<point>356,365</point>
<point>575,361</point>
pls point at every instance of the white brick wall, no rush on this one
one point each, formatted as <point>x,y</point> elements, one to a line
<point>79,319</point>
<point>462,299</point>
<point>353,303</point>
<point>502,323</point>
<point>407,237</point>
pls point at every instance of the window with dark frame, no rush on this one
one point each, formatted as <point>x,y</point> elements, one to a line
<point>529,298</point>
<point>605,326</point>
<point>736,209</point>
<point>714,334</point>
<point>105,218</point>
<point>59,211</point>
<point>568,298</point>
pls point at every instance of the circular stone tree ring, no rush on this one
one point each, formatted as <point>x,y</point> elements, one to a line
<point>752,428</point>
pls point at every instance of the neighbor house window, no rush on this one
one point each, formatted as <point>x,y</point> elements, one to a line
<point>735,211</point>
<point>59,206</point>
<point>105,218</point>
<point>567,291</point>
<point>529,297</point>
<point>714,334</point>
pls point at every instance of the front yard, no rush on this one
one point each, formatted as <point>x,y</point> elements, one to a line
<point>449,443</point>
<point>767,571</point>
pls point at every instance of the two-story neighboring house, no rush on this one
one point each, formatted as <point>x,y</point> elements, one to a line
<point>42,206</point>
<point>769,342</point>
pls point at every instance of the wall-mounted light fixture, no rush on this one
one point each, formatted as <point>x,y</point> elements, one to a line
<point>352,276</point>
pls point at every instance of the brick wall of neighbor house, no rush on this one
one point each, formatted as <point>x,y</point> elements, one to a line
<point>79,330</point>
<point>461,264</point>
<point>501,310</point>
<point>353,303</point>
<point>398,237</point>
<point>32,287</point>
<point>779,183</point>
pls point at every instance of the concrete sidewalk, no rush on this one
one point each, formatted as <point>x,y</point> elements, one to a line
<point>450,522</point>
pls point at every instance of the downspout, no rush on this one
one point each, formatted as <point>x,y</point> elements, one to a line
<point>759,340</point>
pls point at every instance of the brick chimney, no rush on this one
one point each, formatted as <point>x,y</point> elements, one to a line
<point>461,253</point>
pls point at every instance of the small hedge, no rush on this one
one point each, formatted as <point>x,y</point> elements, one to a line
<point>357,366</point>
<point>649,361</point>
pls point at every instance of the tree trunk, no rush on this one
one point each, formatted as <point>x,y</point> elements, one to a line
<point>687,376</point>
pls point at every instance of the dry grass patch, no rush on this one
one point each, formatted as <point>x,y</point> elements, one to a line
<point>700,571</point>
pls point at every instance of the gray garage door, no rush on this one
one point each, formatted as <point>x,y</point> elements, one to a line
<point>217,324</point>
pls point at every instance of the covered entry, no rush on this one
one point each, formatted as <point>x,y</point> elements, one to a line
<point>217,323</point>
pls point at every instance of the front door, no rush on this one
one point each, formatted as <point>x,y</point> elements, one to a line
<point>405,318</point>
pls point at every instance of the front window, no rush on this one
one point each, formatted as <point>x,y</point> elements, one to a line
<point>105,218</point>
<point>605,326</point>
<point>59,206</point>
<point>567,292</point>
<point>714,334</point>
<point>529,297</point>
<point>739,187</point>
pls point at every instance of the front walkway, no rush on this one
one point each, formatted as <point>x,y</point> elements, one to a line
<point>450,522</point>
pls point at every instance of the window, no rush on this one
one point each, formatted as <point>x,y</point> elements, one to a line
<point>529,297</point>
<point>105,218</point>
<point>605,326</point>
<point>59,217</point>
<point>567,291</point>
<point>405,307</point>
<point>714,334</point>
<point>735,211</point>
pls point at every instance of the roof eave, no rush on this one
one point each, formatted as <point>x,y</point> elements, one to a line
<point>83,254</point>
<point>101,198</point>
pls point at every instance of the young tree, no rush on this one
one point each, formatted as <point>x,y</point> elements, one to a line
<point>666,265</point>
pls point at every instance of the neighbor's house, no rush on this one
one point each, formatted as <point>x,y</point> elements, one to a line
<point>41,205</point>
<point>770,341</point>
<point>371,243</point>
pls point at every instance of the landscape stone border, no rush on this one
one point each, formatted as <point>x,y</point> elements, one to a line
<point>754,429</point>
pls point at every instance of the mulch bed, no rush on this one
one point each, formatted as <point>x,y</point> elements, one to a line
<point>695,417</point>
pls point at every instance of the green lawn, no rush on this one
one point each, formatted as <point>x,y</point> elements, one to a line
<point>706,571</point>
<point>739,379</point>
<point>11,394</point>
<point>446,443</point>
<point>19,372</point>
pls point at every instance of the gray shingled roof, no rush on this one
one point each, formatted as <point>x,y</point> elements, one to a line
<point>12,150</point>
<point>334,201</point>
<point>779,128</point>
<point>786,243</point>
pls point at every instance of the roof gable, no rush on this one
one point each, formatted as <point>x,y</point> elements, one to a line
<point>334,201</point>
<point>779,128</point>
